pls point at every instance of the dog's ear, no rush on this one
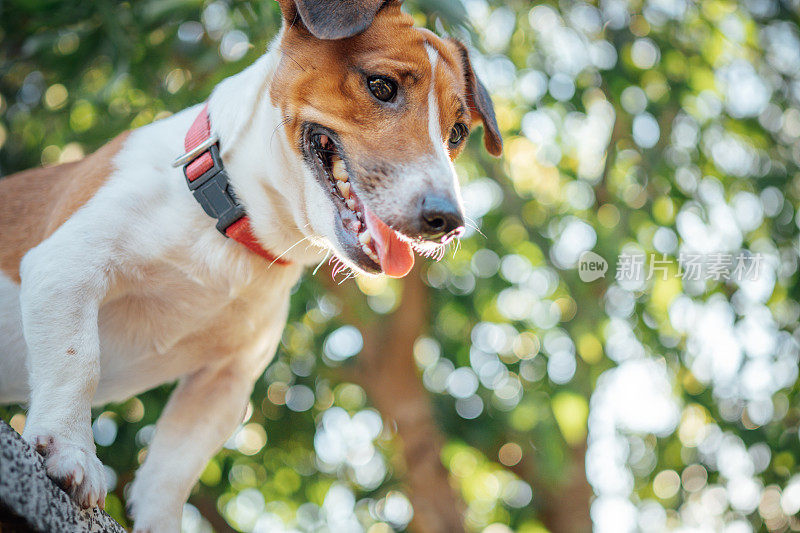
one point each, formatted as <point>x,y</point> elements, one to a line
<point>480,103</point>
<point>331,19</point>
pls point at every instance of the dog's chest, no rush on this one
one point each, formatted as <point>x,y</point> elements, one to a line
<point>162,324</point>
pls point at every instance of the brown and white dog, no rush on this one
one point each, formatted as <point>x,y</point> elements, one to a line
<point>114,280</point>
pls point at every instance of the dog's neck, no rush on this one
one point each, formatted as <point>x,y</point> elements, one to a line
<point>261,164</point>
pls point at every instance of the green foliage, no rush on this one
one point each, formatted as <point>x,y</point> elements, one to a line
<point>630,127</point>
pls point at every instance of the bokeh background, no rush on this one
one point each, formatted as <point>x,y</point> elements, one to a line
<point>495,385</point>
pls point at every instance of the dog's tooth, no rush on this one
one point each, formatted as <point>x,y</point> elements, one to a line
<point>338,170</point>
<point>365,237</point>
<point>344,188</point>
<point>351,204</point>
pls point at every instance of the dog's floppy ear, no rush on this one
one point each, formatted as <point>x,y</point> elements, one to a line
<point>331,19</point>
<point>480,104</point>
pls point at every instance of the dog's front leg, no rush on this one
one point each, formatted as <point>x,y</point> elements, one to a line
<point>201,414</point>
<point>61,291</point>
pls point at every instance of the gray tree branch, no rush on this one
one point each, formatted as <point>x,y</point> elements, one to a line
<point>31,501</point>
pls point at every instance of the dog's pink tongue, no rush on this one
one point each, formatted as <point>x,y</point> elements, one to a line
<point>396,256</point>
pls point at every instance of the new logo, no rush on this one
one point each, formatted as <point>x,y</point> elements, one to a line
<point>591,266</point>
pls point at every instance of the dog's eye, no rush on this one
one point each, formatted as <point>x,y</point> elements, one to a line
<point>457,134</point>
<point>382,88</point>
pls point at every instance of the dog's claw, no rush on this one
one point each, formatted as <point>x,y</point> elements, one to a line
<point>75,469</point>
<point>43,443</point>
<point>77,478</point>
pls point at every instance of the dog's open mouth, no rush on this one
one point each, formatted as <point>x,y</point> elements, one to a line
<point>367,240</point>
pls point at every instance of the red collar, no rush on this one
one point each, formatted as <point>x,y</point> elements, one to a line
<point>208,181</point>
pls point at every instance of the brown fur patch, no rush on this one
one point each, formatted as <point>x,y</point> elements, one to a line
<point>324,81</point>
<point>34,203</point>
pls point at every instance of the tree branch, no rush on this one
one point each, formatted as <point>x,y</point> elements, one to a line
<point>29,497</point>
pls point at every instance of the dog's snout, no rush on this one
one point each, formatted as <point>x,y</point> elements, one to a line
<point>440,217</point>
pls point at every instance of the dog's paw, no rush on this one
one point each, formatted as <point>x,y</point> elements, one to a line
<point>154,519</point>
<point>152,510</point>
<point>77,470</point>
<point>166,523</point>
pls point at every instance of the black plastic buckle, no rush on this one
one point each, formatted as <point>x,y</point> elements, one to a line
<point>213,192</point>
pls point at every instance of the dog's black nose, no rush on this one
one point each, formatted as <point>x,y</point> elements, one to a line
<point>441,218</point>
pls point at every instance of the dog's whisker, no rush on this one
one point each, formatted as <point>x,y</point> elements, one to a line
<point>435,251</point>
<point>338,266</point>
<point>285,120</point>
<point>477,230</point>
<point>342,270</point>
<point>349,275</point>
<point>456,247</point>
<point>287,54</point>
<point>316,269</point>
<point>474,225</point>
<point>287,251</point>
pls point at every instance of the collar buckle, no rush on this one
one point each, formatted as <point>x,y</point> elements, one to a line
<point>195,152</point>
<point>213,192</point>
<point>209,184</point>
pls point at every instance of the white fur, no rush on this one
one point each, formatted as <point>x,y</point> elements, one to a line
<point>445,164</point>
<point>434,131</point>
<point>137,288</point>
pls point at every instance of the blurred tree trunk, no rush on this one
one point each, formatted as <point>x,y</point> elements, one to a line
<point>564,503</point>
<point>387,371</point>
<point>208,508</point>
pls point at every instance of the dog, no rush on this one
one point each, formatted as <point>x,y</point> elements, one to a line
<point>169,254</point>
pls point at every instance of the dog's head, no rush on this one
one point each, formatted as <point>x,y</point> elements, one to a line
<point>376,110</point>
